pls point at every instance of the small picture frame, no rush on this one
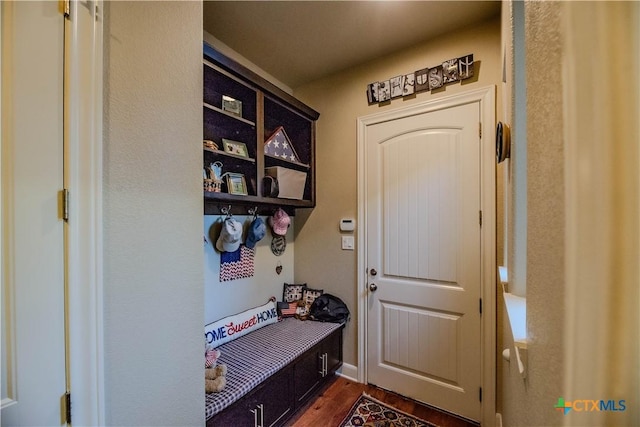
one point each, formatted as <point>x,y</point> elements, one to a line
<point>384,91</point>
<point>373,92</point>
<point>422,80</point>
<point>397,84</point>
<point>435,77</point>
<point>465,67</point>
<point>450,71</point>
<point>232,105</point>
<point>236,184</point>
<point>234,147</point>
<point>409,86</point>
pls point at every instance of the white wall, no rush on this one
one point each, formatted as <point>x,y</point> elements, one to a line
<point>153,272</point>
<point>225,298</point>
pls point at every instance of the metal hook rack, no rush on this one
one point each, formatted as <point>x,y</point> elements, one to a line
<point>253,211</point>
<point>226,210</point>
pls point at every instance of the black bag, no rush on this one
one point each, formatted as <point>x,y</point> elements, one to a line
<point>329,308</point>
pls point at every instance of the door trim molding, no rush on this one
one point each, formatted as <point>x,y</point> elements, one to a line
<point>485,97</point>
<point>83,178</point>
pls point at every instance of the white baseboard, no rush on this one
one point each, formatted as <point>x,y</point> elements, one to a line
<point>498,419</point>
<point>349,372</point>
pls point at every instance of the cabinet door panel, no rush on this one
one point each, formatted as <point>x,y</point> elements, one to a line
<point>332,347</point>
<point>239,414</point>
<point>307,374</point>
<point>276,398</point>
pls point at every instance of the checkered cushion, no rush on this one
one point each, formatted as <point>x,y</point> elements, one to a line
<point>253,358</point>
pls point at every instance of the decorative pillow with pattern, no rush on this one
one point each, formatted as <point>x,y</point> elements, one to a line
<point>293,292</point>
<point>310,295</point>
<point>287,309</point>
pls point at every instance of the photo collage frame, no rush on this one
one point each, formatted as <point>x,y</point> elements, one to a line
<point>425,79</point>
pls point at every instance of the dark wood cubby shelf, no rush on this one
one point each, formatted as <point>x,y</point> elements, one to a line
<point>264,108</point>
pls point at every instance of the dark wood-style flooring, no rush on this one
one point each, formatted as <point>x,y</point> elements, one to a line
<point>334,402</point>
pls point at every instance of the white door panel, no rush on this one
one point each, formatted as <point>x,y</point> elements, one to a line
<point>32,270</point>
<point>423,240</point>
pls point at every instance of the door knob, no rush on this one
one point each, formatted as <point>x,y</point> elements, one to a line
<point>373,287</point>
<point>373,272</point>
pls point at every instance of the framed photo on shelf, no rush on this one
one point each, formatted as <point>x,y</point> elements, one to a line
<point>235,147</point>
<point>236,184</point>
<point>231,105</point>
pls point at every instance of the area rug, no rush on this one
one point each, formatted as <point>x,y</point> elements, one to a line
<point>370,412</point>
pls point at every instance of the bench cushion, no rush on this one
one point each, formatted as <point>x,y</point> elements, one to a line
<point>254,357</point>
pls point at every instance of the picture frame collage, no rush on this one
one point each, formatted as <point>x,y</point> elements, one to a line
<point>425,79</point>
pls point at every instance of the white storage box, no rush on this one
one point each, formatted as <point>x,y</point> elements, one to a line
<point>290,182</point>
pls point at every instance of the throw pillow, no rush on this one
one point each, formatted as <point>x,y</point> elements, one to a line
<point>293,292</point>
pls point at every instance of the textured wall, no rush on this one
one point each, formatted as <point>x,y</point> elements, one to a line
<point>530,402</point>
<point>153,268</point>
<point>341,99</point>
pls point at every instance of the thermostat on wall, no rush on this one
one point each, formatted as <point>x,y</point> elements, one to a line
<point>347,224</point>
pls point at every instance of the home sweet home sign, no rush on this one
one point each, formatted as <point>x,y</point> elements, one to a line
<point>232,327</point>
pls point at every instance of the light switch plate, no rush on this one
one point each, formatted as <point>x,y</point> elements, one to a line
<point>348,243</point>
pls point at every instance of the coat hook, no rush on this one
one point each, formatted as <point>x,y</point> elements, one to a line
<point>226,211</point>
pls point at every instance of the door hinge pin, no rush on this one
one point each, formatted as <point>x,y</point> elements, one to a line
<point>65,204</point>
<point>66,8</point>
<point>480,129</point>
<point>67,403</point>
<point>480,394</point>
<point>480,217</point>
<point>480,306</point>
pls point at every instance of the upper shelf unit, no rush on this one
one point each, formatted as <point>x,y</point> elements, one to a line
<point>254,135</point>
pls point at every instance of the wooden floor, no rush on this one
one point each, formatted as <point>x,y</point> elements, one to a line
<point>333,404</point>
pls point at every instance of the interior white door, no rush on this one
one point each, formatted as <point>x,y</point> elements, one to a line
<point>424,257</point>
<point>32,269</point>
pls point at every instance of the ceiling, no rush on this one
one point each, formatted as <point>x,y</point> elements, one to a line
<point>301,41</point>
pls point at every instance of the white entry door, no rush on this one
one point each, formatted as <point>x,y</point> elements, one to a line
<point>32,237</point>
<point>423,248</point>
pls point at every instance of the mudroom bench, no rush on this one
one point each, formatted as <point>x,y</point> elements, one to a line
<point>273,371</point>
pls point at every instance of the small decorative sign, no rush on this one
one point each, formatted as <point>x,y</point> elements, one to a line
<point>449,71</point>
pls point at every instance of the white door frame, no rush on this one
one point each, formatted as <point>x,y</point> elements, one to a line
<point>486,99</point>
<point>83,179</point>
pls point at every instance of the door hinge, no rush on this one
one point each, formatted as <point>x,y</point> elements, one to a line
<point>480,217</point>
<point>67,404</point>
<point>66,8</point>
<point>480,394</point>
<point>65,204</point>
<point>480,129</point>
<point>480,306</point>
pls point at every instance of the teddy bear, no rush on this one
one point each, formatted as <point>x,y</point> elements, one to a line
<point>214,373</point>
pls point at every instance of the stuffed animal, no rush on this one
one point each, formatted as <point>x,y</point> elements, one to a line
<point>214,373</point>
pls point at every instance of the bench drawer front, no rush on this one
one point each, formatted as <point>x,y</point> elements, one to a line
<point>268,405</point>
